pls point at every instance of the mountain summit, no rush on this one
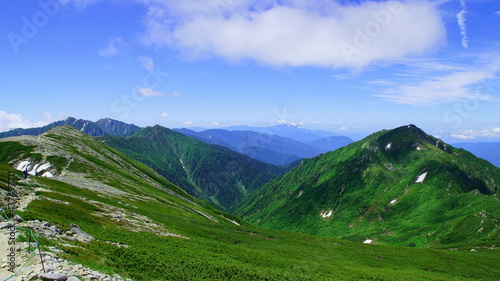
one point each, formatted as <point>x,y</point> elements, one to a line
<point>397,186</point>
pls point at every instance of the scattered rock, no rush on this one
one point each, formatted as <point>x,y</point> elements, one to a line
<point>54,276</point>
<point>81,235</point>
<point>31,277</point>
<point>5,225</point>
<point>18,218</point>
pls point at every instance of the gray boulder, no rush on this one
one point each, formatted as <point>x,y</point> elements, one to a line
<point>54,277</point>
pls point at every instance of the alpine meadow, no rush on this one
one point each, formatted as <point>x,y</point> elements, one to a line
<point>194,140</point>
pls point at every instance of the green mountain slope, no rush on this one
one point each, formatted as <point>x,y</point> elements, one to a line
<point>147,229</point>
<point>399,187</point>
<point>214,173</point>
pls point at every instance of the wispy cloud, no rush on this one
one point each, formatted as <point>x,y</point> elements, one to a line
<point>461,18</point>
<point>429,83</point>
<point>164,115</point>
<point>447,88</point>
<point>113,47</point>
<point>146,62</point>
<point>9,121</point>
<point>147,92</point>
<point>473,134</point>
<point>78,3</point>
<point>296,33</point>
<point>497,13</point>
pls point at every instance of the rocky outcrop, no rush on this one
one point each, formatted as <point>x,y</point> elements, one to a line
<point>48,230</point>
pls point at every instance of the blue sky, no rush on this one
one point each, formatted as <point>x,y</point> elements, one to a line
<point>350,67</point>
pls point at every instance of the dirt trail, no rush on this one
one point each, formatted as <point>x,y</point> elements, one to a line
<point>27,259</point>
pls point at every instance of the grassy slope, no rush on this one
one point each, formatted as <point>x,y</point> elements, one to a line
<point>222,251</point>
<point>206,171</point>
<point>214,251</point>
<point>358,182</point>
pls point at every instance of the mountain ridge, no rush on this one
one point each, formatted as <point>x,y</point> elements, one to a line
<point>365,189</point>
<point>105,126</point>
<point>115,216</point>
<point>214,173</point>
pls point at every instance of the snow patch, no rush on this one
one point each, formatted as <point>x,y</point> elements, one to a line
<point>33,171</point>
<point>388,146</point>
<point>394,201</point>
<point>233,221</point>
<point>43,167</point>
<point>326,214</point>
<point>418,148</point>
<point>182,164</point>
<point>23,165</point>
<point>421,178</point>
<point>368,241</point>
<point>300,193</point>
<point>48,175</point>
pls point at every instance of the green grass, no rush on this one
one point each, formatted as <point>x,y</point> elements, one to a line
<point>228,252</point>
<point>358,182</point>
<point>210,172</point>
<point>223,250</point>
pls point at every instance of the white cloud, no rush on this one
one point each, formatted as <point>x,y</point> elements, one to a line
<point>473,134</point>
<point>497,13</point>
<point>188,123</point>
<point>295,33</point>
<point>47,115</point>
<point>9,121</point>
<point>461,18</point>
<point>164,115</point>
<point>445,88</point>
<point>147,92</point>
<point>112,48</point>
<point>462,136</point>
<point>147,62</point>
<point>215,123</point>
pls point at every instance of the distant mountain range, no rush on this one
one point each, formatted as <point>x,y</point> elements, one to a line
<point>487,150</point>
<point>399,186</point>
<point>297,133</point>
<point>270,148</point>
<point>102,127</point>
<point>221,167</point>
<point>278,145</point>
